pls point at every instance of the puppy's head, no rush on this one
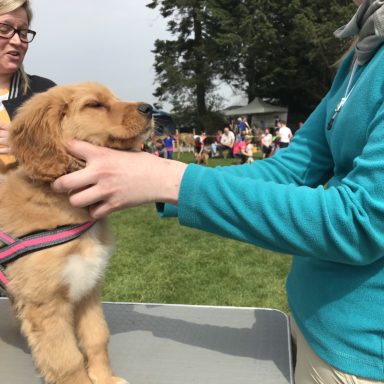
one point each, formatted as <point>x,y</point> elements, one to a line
<point>85,111</point>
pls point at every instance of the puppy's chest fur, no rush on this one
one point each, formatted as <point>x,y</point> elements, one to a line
<point>83,270</point>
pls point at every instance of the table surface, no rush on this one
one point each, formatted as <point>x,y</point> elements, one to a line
<point>174,344</point>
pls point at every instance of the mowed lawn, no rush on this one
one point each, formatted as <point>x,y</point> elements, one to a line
<point>159,261</point>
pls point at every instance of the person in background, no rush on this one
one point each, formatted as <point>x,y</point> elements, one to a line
<point>249,149</point>
<point>240,125</point>
<point>214,146</point>
<point>201,151</point>
<point>217,142</point>
<point>284,134</point>
<point>226,143</point>
<point>246,150</point>
<point>158,148</point>
<point>218,135</point>
<point>168,143</point>
<point>320,200</point>
<point>247,127</point>
<point>266,143</point>
<point>16,86</point>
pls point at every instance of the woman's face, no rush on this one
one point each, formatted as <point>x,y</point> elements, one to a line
<point>13,50</point>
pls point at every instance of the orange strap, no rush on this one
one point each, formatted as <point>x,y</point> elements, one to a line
<point>5,160</point>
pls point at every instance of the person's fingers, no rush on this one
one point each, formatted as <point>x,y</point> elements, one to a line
<point>100,210</point>
<point>78,179</point>
<point>81,149</point>
<point>5,150</point>
<point>4,127</point>
<point>86,197</point>
<point>4,147</point>
<point>73,181</point>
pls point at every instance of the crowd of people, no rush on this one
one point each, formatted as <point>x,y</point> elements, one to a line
<point>237,141</point>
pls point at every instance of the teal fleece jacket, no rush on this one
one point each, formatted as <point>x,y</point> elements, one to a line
<point>321,200</point>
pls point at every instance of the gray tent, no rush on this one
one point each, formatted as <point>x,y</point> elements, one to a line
<point>255,107</point>
<point>262,113</point>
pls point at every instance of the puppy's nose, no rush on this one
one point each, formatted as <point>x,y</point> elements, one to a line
<point>145,109</point>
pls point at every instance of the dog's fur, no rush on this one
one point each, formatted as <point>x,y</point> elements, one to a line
<point>202,158</point>
<point>56,292</point>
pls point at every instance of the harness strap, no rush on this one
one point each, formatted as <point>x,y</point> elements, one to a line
<point>17,247</point>
<point>3,278</point>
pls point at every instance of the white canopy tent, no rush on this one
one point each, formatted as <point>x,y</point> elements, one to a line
<point>261,114</point>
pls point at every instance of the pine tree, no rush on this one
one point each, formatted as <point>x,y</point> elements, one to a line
<point>289,49</point>
<point>277,49</point>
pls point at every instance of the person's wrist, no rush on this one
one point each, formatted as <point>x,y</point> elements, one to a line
<point>169,183</point>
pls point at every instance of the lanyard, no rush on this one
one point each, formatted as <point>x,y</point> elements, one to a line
<point>344,99</point>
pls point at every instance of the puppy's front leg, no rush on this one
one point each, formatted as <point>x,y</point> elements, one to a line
<point>93,335</point>
<point>48,328</point>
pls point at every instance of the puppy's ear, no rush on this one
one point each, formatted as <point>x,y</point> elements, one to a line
<point>36,136</point>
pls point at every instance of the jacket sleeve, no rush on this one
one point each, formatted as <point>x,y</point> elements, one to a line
<point>307,161</point>
<point>342,223</point>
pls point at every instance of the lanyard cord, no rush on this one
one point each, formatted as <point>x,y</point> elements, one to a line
<point>353,74</point>
<point>344,99</point>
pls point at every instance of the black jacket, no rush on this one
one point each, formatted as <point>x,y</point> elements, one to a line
<point>37,84</point>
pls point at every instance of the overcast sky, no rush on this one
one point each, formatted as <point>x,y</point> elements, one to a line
<point>108,41</point>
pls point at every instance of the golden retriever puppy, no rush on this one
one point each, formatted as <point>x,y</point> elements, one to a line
<point>55,292</point>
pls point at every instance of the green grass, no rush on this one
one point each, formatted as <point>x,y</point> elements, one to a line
<point>159,261</point>
<point>188,157</point>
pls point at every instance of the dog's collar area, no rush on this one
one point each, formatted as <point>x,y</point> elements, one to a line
<point>18,247</point>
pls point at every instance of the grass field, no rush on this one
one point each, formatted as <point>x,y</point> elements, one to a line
<point>159,261</point>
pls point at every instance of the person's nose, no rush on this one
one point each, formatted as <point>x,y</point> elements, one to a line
<point>15,39</point>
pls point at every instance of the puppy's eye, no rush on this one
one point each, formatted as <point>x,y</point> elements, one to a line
<point>95,104</point>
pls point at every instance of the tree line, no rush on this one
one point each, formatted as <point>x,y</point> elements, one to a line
<point>281,50</point>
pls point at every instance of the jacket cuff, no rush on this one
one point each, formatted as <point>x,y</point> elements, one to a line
<point>166,210</point>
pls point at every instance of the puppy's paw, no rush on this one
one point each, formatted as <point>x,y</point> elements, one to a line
<point>118,380</point>
<point>110,380</point>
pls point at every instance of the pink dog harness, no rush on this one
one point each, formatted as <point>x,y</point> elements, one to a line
<point>17,247</point>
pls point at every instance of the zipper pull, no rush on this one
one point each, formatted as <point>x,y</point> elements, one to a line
<point>337,110</point>
<point>340,105</point>
<point>330,123</point>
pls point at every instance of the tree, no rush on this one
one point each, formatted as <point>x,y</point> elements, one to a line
<point>289,49</point>
<point>188,67</point>
<point>277,49</point>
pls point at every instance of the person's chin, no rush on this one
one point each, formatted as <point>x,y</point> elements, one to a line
<point>9,68</point>
<point>12,64</point>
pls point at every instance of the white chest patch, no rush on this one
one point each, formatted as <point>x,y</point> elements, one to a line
<point>82,272</point>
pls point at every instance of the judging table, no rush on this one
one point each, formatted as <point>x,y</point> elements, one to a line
<point>175,344</point>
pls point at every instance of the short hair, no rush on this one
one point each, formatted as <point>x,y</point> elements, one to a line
<point>7,6</point>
